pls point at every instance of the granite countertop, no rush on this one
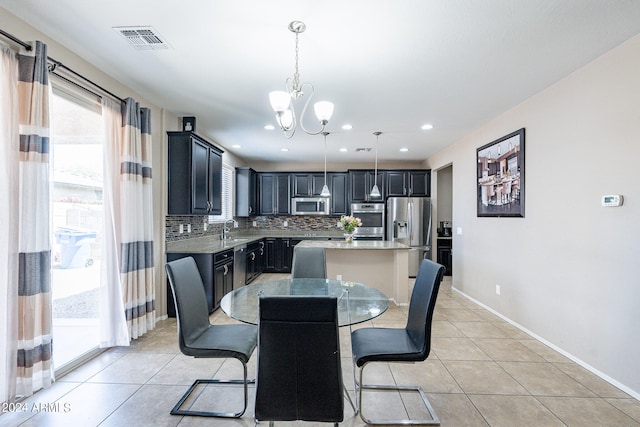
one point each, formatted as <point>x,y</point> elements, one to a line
<point>362,244</point>
<point>213,244</point>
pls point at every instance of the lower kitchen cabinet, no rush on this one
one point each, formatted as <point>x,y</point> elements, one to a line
<point>279,254</point>
<point>444,255</point>
<point>255,260</point>
<point>205,266</point>
<point>222,275</point>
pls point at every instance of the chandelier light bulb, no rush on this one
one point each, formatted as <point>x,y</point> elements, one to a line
<point>323,110</point>
<point>279,100</point>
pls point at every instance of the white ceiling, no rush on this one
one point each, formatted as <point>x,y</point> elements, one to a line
<point>388,65</point>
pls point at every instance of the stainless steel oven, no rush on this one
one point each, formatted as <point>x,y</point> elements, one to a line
<point>372,216</point>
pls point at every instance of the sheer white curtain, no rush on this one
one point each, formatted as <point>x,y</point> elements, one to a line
<point>9,149</point>
<point>129,221</point>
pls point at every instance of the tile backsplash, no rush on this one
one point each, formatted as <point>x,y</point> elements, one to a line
<point>263,223</point>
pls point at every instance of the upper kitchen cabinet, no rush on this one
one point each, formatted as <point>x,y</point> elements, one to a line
<point>408,183</point>
<point>361,183</point>
<point>246,192</point>
<point>274,193</point>
<point>307,184</point>
<point>339,186</point>
<point>195,175</point>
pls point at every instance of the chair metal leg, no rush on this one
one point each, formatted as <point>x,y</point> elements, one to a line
<point>360,386</point>
<point>177,411</point>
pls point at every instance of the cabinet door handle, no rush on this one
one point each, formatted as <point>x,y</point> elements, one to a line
<point>226,269</point>
<point>261,251</point>
<point>253,256</point>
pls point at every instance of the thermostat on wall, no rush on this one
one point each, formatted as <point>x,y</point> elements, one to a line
<point>612,200</point>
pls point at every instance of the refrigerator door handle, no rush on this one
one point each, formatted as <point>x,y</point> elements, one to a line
<point>410,223</point>
<point>395,229</point>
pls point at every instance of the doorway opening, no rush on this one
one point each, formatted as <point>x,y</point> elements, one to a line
<point>444,242</point>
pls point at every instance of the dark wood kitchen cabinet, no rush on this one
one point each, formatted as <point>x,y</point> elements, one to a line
<point>339,186</point>
<point>246,192</point>
<point>195,175</point>
<point>255,260</point>
<point>222,275</point>
<point>274,193</point>
<point>361,182</point>
<point>414,183</point>
<point>307,184</point>
<point>279,254</point>
<point>445,255</point>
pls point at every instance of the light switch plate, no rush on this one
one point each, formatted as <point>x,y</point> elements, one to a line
<point>459,231</point>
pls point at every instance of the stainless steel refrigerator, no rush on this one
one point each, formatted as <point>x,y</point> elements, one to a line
<point>409,222</point>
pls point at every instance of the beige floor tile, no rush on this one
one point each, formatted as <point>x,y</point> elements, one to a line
<point>591,381</point>
<point>513,411</point>
<point>478,377</point>
<point>445,329</point>
<point>184,370</point>
<point>87,405</point>
<point>462,315</point>
<point>546,352</point>
<point>133,368</point>
<point>630,407</point>
<point>500,349</point>
<point>479,329</point>
<point>92,367</point>
<point>431,375</point>
<point>587,412</point>
<point>511,331</point>
<point>544,379</point>
<point>25,410</point>
<point>456,410</point>
<point>150,406</point>
<point>456,349</point>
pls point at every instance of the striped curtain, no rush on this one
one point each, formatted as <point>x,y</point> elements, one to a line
<point>129,294</point>
<point>35,370</point>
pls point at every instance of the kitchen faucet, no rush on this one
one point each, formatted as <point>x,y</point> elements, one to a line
<point>226,230</point>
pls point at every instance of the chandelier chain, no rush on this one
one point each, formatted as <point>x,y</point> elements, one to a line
<point>296,74</point>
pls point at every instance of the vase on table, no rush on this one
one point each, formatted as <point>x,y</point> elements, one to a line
<point>348,237</point>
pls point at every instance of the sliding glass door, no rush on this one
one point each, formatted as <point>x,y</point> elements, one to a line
<point>77,153</point>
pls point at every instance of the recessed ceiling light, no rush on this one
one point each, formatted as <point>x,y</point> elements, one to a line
<point>284,149</point>
<point>235,146</point>
<point>404,149</point>
<point>269,127</point>
<point>343,150</point>
<point>427,126</point>
<point>347,127</point>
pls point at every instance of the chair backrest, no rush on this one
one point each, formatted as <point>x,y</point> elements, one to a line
<point>299,373</point>
<point>423,303</point>
<point>309,263</point>
<point>191,302</point>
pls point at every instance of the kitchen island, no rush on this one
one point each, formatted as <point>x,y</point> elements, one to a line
<point>383,265</point>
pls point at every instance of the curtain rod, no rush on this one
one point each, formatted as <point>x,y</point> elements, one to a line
<point>57,64</point>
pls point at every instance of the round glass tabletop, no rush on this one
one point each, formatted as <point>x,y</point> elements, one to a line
<point>356,302</point>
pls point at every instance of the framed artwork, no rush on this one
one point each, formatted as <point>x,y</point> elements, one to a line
<point>500,176</point>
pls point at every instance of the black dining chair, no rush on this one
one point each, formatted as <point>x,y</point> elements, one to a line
<point>198,338</point>
<point>409,344</point>
<point>299,375</point>
<point>308,263</point>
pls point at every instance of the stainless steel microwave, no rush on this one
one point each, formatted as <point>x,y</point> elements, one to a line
<point>310,206</point>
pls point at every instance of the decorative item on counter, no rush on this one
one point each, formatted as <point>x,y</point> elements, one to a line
<point>349,224</point>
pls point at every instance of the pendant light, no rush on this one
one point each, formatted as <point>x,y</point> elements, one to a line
<point>375,192</point>
<point>325,190</point>
<point>282,100</point>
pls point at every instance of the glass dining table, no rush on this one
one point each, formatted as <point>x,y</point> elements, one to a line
<point>357,302</point>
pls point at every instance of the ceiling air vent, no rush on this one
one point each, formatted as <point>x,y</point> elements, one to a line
<point>143,38</point>
<point>367,149</point>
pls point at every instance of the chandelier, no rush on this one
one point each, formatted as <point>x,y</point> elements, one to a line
<point>282,101</point>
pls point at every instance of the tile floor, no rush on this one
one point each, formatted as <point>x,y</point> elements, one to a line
<point>482,371</point>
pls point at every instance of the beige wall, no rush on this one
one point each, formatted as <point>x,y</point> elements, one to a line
<point>569,270</point>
